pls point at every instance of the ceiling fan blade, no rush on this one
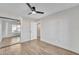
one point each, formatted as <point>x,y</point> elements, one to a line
<point>29,13</point>
<point>29,6</point>
<point>39,12</point>
<point>33,9</point>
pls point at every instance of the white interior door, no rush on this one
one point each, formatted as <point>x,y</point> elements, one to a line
<point>33,30</point>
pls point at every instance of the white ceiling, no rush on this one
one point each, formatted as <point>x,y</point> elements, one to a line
<point>22,10</point>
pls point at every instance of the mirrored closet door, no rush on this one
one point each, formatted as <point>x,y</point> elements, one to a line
<point>10,31</point>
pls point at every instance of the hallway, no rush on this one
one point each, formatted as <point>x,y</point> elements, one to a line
<point>34,47</point>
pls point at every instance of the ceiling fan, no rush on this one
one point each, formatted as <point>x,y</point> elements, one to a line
<point>33,9</point>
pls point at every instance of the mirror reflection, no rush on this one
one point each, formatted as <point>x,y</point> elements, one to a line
<point>10,32</point>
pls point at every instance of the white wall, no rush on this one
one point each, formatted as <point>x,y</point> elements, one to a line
<point>62,29</point>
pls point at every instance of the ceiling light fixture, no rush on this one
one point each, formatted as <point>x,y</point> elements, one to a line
<point>33,12</point>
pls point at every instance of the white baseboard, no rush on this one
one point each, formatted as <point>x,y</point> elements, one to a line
<point>56,44</point>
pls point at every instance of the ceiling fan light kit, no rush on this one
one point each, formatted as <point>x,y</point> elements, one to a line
<point>33,12</point>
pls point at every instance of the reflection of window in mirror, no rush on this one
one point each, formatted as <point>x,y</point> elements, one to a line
<point>14,28</point>
<point>18,28</point>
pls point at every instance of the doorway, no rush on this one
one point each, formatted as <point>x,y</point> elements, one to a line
<point>38,31</point>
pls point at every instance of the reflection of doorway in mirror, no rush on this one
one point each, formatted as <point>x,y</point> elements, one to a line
<point>16,28</point>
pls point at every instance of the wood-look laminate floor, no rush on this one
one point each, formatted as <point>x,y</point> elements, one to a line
<point>34,47</point>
